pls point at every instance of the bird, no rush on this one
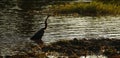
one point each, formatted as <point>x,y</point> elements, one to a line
<point>38,35</point>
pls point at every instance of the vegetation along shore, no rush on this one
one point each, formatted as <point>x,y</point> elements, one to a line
<point>93,8</point>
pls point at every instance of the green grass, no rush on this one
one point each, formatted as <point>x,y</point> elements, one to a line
<point>88,9</point>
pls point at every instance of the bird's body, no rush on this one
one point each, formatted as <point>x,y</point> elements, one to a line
<point>38,35</point>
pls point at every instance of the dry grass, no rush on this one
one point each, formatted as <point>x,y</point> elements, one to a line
<point>89,9</point>
<point>85,47</point>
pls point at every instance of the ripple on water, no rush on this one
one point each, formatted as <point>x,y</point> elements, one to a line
<point>13,29</point>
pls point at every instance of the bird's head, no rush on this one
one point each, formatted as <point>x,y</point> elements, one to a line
<point>48,15</point>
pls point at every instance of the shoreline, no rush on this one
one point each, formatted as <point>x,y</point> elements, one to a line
<point>72,48</point>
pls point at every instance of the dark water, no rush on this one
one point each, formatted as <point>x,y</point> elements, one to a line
<point>16,27</point>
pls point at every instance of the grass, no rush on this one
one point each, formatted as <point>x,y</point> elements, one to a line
<point>88,9</point>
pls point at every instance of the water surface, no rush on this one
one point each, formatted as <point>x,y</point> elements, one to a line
<point>17,27</point>
<point>82,27</point>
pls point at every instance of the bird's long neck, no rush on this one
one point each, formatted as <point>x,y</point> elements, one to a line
<point>46,22</point>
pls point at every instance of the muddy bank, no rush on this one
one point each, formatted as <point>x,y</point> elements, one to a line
<point>101,46</point>
<point>71,48</point>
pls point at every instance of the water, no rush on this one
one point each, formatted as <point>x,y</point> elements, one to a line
<point>17,27</point>
<point>82,27</point>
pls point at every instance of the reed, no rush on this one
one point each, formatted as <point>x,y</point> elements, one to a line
<point>89,9</point>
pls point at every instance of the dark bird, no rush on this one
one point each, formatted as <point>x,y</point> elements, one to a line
<point>38,36</point>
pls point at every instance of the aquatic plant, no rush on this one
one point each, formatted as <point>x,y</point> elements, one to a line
<point>90,9</point>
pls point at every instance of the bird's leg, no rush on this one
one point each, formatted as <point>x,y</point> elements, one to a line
<point>40,43</point>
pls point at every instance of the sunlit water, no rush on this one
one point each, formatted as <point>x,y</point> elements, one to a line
<point>82,27</point>
<point>17,28</point>
<point>88,56</point>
